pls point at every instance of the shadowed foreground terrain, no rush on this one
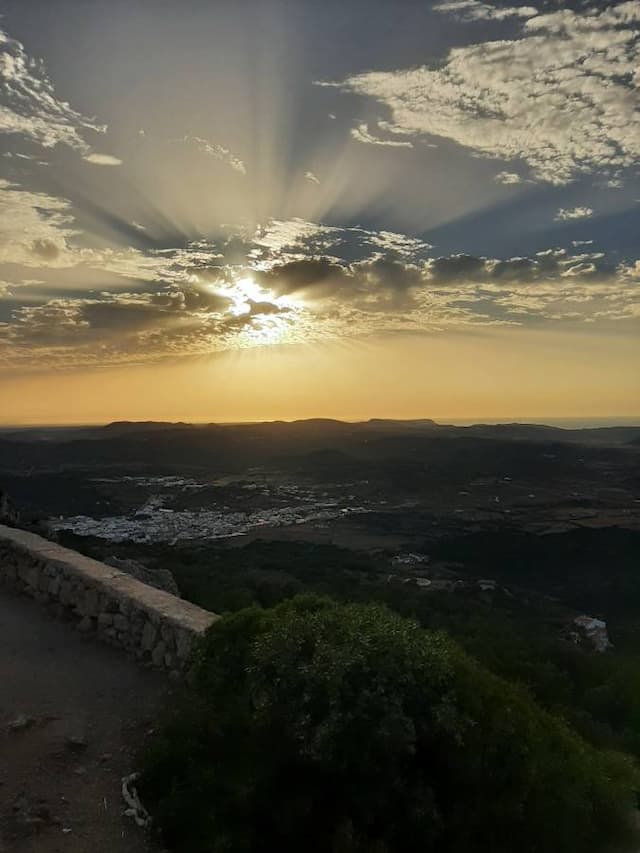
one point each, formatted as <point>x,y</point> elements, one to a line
<point>75,714</point>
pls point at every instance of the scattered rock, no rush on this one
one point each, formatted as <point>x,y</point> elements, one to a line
<point>21,722</point>
<point>130,795</point>
<point>76,743</point>
<point>27,818</point>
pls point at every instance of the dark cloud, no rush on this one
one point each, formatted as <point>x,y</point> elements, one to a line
<point>114,315</point>
<point>457,267</point>
<point>192,300</point>
<point>552,264</point>
<point>322,276</point>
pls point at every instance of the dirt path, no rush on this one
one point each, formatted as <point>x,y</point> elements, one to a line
<point>71,715</point>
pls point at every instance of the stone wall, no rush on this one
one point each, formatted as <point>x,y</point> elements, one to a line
<point>148,623</point>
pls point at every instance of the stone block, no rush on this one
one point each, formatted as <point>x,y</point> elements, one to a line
<point>66,593</point>
<point>125,606</point>
<point>149,636</point>
<point>89,605</point>
<point>166,632</point>
<point>85,625</point>
<point>157,656</point>
<point>9,572</point>
<point>121,623</point>
<point>184,643</point>
<point>29,575</point>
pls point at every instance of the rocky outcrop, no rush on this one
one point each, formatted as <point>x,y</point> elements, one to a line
<point>158,578</point>
<point>147,622</point>
<point>594,631</point>
<point>8,513</point>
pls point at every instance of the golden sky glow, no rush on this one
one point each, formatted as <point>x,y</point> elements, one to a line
<point>460,377</point>
<point>272,210</point>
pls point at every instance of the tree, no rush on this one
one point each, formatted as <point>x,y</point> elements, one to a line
<point>346,728</point>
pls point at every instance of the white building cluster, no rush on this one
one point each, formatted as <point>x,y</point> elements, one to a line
<point>154,523</point>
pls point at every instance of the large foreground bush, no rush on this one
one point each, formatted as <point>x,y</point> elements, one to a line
<point>343,728</point>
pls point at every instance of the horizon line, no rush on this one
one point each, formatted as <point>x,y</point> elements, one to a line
<point>609,420</point>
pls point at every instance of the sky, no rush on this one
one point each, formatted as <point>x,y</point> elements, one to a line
<point>258,210</point>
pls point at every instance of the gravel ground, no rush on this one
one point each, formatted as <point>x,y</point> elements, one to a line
<point>72,713</point>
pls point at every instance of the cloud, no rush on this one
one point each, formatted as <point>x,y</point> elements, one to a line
<point>361,133</point>
<point>313,179</point>
<point>297,239</point>
<point>29,105</point>
<point>563,97</point>
<point>35,226</point>
<point>294,235</point>
<point>103,159</point>
<point>508,178</point>
<point>475,10</point>
<point>289,281</point>
<point>215,150</point>
<point>321,275</point>
<point>108,316</point>
<point>565,214</point>
<point>549,265</point>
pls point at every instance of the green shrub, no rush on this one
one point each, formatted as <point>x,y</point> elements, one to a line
<point>345,728</point>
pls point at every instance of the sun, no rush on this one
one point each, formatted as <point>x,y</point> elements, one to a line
<point>245,292</point>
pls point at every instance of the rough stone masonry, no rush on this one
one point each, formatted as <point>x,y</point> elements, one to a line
<point>148,623</point>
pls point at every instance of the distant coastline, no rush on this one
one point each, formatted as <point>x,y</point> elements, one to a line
<point>587,422</point>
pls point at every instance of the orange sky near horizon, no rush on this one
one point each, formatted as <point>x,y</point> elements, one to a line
<point>497,373</point>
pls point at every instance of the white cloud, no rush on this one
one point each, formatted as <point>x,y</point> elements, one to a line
<point>313,179</point>
<point>508,178</point>
<point>475,10</point>
<point>567,213</point>
<point>564,97</point>
<point>293,237</point>
<point>35,227</point>
<point>217,151</point>
<point>30,107</point>
<point>103,159</point>
<point>402,244</point>
<point>362,134</point>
